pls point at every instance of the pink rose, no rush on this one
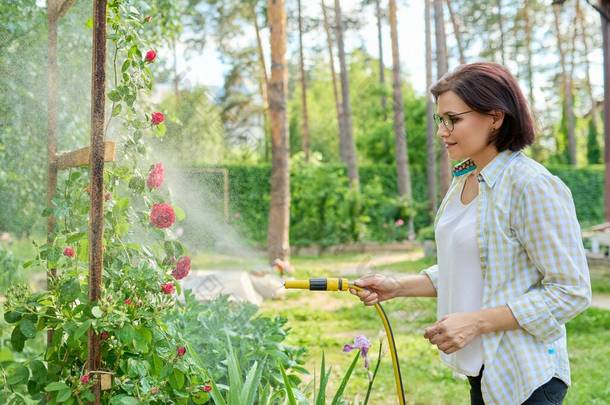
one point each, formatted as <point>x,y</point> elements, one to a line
<point>399,222</point>
<point>183,266</point>
<point>167,288</point>
<point>128,301</point>
<point>162,215</point>
<point>157,118</point>
<point>181,351</point>
<point>85,379</point>
<point>206,388</point>
<point>69,251</point>
<point>151,55</point>
<point>155,176</point>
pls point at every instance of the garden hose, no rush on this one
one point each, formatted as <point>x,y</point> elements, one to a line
<point>342,284</point>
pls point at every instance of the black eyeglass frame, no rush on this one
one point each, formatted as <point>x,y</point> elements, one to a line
<point>438,119</point>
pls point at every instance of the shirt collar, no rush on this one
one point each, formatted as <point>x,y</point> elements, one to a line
<point>492,171</point>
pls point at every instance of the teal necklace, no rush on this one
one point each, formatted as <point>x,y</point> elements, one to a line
<point>464,167</point>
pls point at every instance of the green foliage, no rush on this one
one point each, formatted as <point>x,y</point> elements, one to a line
<point>195,134</point>
<point>587,186</point>
<point>594,153</point>
<point>253,340</point>
<point>142,352</point>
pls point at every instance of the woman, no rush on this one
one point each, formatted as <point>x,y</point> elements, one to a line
<point>511,268</point>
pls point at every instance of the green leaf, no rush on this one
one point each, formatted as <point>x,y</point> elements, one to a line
<point>17,374</point>
<point>5,354</point>
<point>116,110</point>
<point>126,334</point>
<point>121,228</point>
<point>81,329</point>
<point>63,396</point>
<point>346,377</point>
<point>17,339</point>
<point>114,95</point>
<point>47,212</point>
<point>288,386</point>
<point>56,386</point>
<point>12,316</point>
<point>180,215</point>
<point>176,380</point>
<point>27,328</point>
<point>142,339</point>
<point>97,312</point>
<point>39,371</point>
<point>160,130</point>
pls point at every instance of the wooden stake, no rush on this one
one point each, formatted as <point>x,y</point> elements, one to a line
<point>96,214</point>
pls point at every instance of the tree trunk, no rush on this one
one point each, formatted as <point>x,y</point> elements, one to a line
<point>442,67</point>
<point>431,154</point>
<point>456,32</point>
<point>501,28</point>
<point>567,90</point>
<point>350,147</point>
<point>585,42</point>
<point>400,134</point>
<point>529,54</point>
<point>381,65</point>
<point>329,41</point>
<point>279,210</point>
<point>263,83</point>
<point>605,5</point>
<point>305,119</point>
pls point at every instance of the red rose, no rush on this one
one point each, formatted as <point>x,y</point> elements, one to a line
<point>85,379</point>
<point>167,288</point>
<point>206,388</point>
<point>183,266</point>
<point>151,55</point>
<point>69,251</point>
<point>162,215</point>
<point>155,176</point>
<point>181,351</point>
<point>157,118</point>
<point>104,335</point>
<point>128,301</point>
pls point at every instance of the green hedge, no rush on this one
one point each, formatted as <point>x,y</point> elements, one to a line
<point>324,211</point>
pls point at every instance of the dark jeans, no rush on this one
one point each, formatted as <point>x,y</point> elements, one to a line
<point>550,393</point>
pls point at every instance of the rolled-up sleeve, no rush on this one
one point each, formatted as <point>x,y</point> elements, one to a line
<point>432,273</point>
<point>550,233</point>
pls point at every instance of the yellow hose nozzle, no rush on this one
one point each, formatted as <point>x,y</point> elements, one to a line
<point>319,284</point>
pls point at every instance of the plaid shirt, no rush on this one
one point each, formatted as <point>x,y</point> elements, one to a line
<point>532,260</point>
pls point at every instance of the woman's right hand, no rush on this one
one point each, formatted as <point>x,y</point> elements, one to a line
<point>376,288</point>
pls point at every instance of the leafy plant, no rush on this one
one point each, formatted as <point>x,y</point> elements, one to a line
<point>254,339</point>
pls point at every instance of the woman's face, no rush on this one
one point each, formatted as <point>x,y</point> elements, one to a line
<point>471,131</point>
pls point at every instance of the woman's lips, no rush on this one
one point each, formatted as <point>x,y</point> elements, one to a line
<point>450,144</point>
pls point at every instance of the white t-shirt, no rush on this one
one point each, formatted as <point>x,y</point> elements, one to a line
<point>460,282</point>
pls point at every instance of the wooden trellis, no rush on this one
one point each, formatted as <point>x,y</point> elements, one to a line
<point>94,156</point>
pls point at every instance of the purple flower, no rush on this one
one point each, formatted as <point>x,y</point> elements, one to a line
<point>360,343</point>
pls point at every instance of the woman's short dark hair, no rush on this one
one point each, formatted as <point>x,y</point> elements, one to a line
<point>486,86</point>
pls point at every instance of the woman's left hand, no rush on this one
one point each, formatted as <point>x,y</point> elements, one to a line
<point>453,331</point>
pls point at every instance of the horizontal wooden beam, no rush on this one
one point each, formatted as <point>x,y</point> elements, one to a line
<point>80,157</point>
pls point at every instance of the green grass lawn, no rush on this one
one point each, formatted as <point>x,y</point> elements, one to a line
<point>324,322</point>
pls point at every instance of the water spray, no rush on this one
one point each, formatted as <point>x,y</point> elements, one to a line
<point>343,284</point>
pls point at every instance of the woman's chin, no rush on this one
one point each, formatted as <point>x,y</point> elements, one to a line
<point>454,153</point>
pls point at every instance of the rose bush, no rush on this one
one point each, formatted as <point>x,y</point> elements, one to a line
<point>147,359</point>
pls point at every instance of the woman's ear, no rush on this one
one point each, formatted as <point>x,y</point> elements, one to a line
<point>498,118</point>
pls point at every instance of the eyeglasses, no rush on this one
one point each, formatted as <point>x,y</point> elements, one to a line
<point>447,119</point>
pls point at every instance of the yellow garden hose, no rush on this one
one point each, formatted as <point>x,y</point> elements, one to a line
<point>342,284</point>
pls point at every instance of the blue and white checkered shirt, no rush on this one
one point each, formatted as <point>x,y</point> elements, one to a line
<point>533,260</point>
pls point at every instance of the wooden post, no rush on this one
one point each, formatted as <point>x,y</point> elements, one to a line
<point>96,214</point>
<point>52,102</point>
